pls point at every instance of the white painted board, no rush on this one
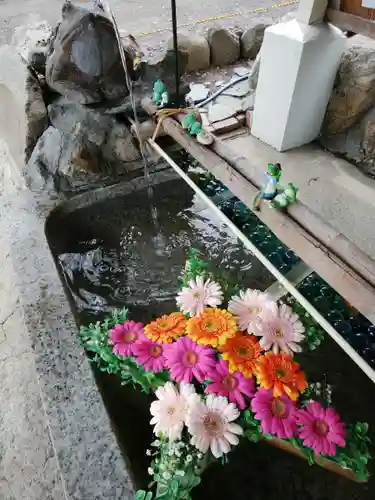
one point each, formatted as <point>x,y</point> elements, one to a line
<point>369,4</point>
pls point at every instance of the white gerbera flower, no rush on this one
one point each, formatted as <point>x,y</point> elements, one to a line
<point>198,295</point>
<point>280,330</point>
<point>211,425</point>
<point>248,305</point>
<point>170,411</point>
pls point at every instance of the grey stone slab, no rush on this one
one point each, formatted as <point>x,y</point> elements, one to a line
<point>56,438</point>
<point>218,112</point>
<point>224,107</point>
<point>240,89</point>
<point>241,70</point>
<point>198,92</point>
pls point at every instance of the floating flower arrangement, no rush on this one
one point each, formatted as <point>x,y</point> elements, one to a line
<point>224,367</point>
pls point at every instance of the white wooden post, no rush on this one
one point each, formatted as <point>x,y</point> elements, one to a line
<point>311,11</point>
<point>299,62</point>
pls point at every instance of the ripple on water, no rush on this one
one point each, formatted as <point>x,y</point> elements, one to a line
<point>132,257</point>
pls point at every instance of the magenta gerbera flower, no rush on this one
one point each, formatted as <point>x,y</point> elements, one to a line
<point>230,385</point>
<point>277,415</point>
<point>125,336</point>
<point>187,359</point>
<point>150,354</point>
<point>321,428</point>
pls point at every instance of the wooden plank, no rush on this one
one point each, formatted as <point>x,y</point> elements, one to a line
<point>327,464</point>
<point>320,231</point>
<point>355,7</point>
<point>329,266</point>
<point>350,22</point>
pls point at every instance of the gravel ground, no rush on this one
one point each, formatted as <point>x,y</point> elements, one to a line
<point>133,15</point>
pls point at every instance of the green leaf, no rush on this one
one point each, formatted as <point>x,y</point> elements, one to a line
<point>140,495</point>
<point>173,487</point>
<point>95,339</point>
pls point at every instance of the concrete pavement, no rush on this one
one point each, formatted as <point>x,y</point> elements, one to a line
<point>137,16</point>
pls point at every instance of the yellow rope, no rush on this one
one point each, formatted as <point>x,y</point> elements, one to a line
<point>220,18</point>
<point>167,112</point>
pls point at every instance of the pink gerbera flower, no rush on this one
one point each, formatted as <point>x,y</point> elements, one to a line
<point>277,415</point>
<point>247,306</point>
<point>125,336</point>
<point>280,329</point>
<point>187,359</point>
<point>231,385</point>
<point>150,354</point>
<point>321,428</point>
<point>211,425</point>
<point>194,298</point>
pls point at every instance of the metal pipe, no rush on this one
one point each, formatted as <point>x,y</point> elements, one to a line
<point>175,48</point>
<point>221,90</point>
<point>345,346</point>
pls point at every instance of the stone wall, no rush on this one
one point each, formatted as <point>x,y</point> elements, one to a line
<point>349,125</point>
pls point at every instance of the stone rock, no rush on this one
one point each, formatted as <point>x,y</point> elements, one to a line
<point>14,101</point>
<point>36,114</point>
<point>68,117</point>
<point>146,130</point>
<point>198,92</point>
<point>222,110</point>
<point>251,41</point>
<point>241,71</point>
<point>74,164</point>
<point>163,68</point>
<point>368,143</point>
<point>32,41</point>
<point>114,139</point>
<point>119,146</point>
<point>225,46</point>
<point>354,91</point>
<point>38,59</point>
<point>197,49</point>
<point>83,60</point>
<point>232,103</point>
<point>240,89</point>
<point>356,144</point>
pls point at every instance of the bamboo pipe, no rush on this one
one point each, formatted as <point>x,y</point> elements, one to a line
<point>345,346</point>
<point>348,282</point>
<point>279,443</point>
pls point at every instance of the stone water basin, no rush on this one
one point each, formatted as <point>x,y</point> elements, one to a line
<point>123,246</point>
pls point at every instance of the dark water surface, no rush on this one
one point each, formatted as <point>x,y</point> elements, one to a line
<point>130,251</point>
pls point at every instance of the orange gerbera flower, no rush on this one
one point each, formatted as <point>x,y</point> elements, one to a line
<point>212,327</point>
<point>280,373</point>
<point>242,353</point>
<point>167,328</point>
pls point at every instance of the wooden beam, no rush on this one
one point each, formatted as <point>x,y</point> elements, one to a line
<point>325,463</point>
<point>320,231</point>
<point>353,287</point>
<point>350,22</point>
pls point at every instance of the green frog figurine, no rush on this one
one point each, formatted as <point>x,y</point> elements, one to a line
<point>159,95</point>
<point>270,188</point>
<point>286,197</point>
<point>192,125</point>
